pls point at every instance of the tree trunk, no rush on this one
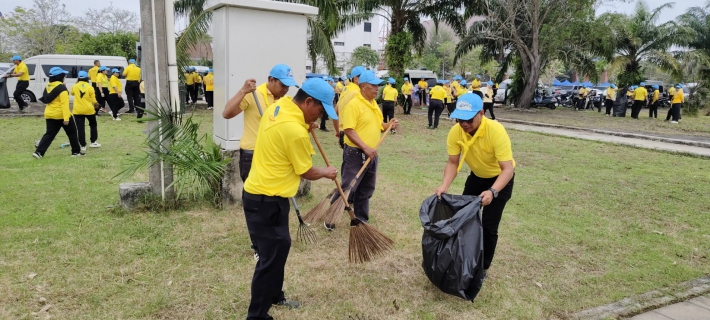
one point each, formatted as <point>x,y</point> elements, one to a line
<point>532,75</point>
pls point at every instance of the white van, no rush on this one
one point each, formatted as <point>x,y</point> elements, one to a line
<point>38,67</point>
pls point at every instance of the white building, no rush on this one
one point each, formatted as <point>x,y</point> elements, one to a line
<point>366,34</point>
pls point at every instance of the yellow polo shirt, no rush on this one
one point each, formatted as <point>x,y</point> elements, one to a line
<point>209,82</point>
<point>488,95</point>
<point>115,82</point>
<point>22,67</point>
<point>610,94</point>
<point>407,88</point>
<point>132,73</point>
<point>482,152</point>
<point>449,94</point>
<point>422,84</point>
<point>103,80</point>
<point>678,96</point>
<point>283,151</point>
<point>57,109</point>
<point>189,80</point>
<point>455,85</point>
<point>365,118</point>
<point>656,94</point>
<point>196,78</point>
<point>475,84</point>
<point>92,74</point>
<point>389,93</point>
<point>438,93</point>
<point>252,116</point>
<point>640,94</point>
<point>339,87</point>
<point>351,90</point>
<point>671,91</point>
<point>461,91</point>
<point>84,98</point>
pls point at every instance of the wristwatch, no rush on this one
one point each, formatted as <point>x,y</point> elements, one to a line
<point>494,191</point>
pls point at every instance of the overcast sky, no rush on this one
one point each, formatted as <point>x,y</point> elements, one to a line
<point>77,7</point>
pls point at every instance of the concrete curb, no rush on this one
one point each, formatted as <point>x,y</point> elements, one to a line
<point>613,133</point>
<point>647,301</point>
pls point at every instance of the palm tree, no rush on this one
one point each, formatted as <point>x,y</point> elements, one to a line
<point>406,29</point>
<point>636,38</point>
<point>696,23</point>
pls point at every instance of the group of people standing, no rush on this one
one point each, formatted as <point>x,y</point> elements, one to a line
<point>109,90</point>
<point>641,98</point>
<point>194,82</point>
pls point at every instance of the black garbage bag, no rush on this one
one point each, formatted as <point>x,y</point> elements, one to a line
<point>452,244</point>
<point>4,96</point>
<point>621,103</point>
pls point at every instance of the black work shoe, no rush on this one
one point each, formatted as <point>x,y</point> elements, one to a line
<point>288,304</point>
<point>324,130</point>
<point>328,226</point>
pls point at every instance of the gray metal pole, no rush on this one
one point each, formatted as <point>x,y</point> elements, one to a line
<point>155,74</point>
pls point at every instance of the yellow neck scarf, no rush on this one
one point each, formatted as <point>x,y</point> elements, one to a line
<point>468,142</point>
<point>373,106</point>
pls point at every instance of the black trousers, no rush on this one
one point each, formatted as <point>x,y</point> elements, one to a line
<point>133,94</point>
<point>323,121</point>
<point>489,106</point>
<point>267,220</point>
<point>422,97</point>
<point>388,110</point>
<point>407,104</point>
<point>435,109</point>
<point>140,110</point>
<point>636,108</point>
<point>209,97</point>
<point>364,188</point>
<point>675,109</point>
<point>581,103</point>
<point>81,132</point>
<point>102,101</point>
<point>245,158</point>
<point>653,110</point>
<point>53,127</point>
<point>492,213</point>
<point>116,103</point>
<point>19,90</point>
<point>450,107</point>
<point>193,92</point>
<point>609,104</point>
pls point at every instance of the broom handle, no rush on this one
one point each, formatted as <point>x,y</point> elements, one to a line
<point>327,163</point>
<point>369,159</point>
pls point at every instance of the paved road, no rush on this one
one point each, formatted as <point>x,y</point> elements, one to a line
<point>693,309</point>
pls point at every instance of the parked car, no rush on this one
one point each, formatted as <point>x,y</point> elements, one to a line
<point>503,90</point>
<point>5,66</point>
<point>38,67</point>
<point>415,75</point>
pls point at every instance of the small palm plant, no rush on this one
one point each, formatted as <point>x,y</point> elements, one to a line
<point>197,162</point>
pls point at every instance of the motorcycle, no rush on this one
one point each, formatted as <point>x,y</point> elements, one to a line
<point>540,100</point>
<point>566,100</point>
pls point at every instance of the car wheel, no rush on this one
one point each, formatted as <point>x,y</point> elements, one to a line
<point>28,97</point>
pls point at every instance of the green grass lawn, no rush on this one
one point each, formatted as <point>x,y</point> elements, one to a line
<point>689,126</point>
<point>589,224</point>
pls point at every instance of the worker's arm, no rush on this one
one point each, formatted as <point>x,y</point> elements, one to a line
<point>507,171</point>
<point>232,109</point>
<point>355,138</point>
<point>450,172</point>
<point>315,173</point>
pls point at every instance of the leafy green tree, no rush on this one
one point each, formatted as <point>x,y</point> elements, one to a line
<point>45,28</point>
<point>121,44</point>
<point>109,19</point>
<point>364,56</point>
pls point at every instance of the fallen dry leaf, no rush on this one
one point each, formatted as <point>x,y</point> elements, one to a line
<point>45,308</point>
<point>538,284</point>
<point>42,300</point>
<point>31,276</point>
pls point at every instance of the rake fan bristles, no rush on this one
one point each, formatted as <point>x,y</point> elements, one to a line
<point>335,211</point>
<point>366,242</point>
<point>319,211</point>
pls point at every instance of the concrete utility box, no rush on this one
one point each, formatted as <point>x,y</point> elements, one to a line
<point>249,38</point>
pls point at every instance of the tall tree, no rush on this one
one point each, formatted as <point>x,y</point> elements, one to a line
<point>696,26</point>
<point>636,38</point>
<point>109,19</point>
<point>45,28</point>
<point>364,56</point>
<point>121,44</point>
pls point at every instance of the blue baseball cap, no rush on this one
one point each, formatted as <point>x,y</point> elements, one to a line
<point>83,74</point>
<point>132,61</point>
<point>463,82</point>
<point>613,86</point>
<point>211,70</point>
<point>391,81</point>
<point>490,83</point>
<point>478,76</point>
<point>679,86</point>
<point>357,71</point>
<point>368,76</point>
<point>284,74</point>
<point>643,84</point>
<point>655,86</point>
<point>102,68</point>
<point>323,92</point>
<point>55,71</point>
<point>467,106</point>
<point>406,79</point>
<point>114,70</point>
<point>16,57</point>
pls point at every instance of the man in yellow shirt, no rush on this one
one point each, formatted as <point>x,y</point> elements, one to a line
<point>407,93</point>
<point>449,100</point>
<point>84,110</point>
<point>350,91</point>
<point>476,83</point>
<point>277,85</point>
<point>582,98</point>
<point>488,100</point>
<point>455,85</point>
<point>485,147</point>
<point>92,78</point>
<point>190,85</point>
<point>640,100</point>
<point>653,107</point>
<point>609,98</point>
<point>389,98</point>
<point>324,118</point>
<point>436,104</point>
<point>209,89</point>
<point>57,114</point>
<point>462,89</point>
<point>422,94</point>
<point>102,85</point>
<point>132,74</point>
<point>115,99</point>
<point>282,156</point>
<point>362,126</point>
<point>677,103</point>
<point>23,82</point>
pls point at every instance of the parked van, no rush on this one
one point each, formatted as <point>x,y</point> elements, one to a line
<point>415,75</point>
<point>38,67</point>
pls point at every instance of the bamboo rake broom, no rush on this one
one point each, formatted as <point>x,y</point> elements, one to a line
<point>365,242</point>
<point>318,212</point>
<point>333,214</point>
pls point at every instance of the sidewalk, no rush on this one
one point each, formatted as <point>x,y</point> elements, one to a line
<point>693,309</point>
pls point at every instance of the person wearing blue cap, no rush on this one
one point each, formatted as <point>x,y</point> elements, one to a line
<point>407,89</point>
<point>84,110</point>
<point>115,99</point>
<point>102,84</point>
<point>582,98</point>
<point>57,115</point>
<point>350,91</point>
<point>324,118</point>
<point>132,74</point>
<point>677,103</point>
<point>282,156</point>
<point>640,101</point>
<point>653,106</point>
<point>363,124</point>
<point>488,100</point>
<point>485,147</point>
<point>23,82</point>
<point>671,94</point>
<point>209,88</point>
<point>277,85</point>
<point>610,97</point>
<point>92,78</point>
<point>189,84</point>
<point>449,100</point>
<point>437,95</point>
<point>422,92</point>
<point>476,83</point>
<point>389,98</point>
